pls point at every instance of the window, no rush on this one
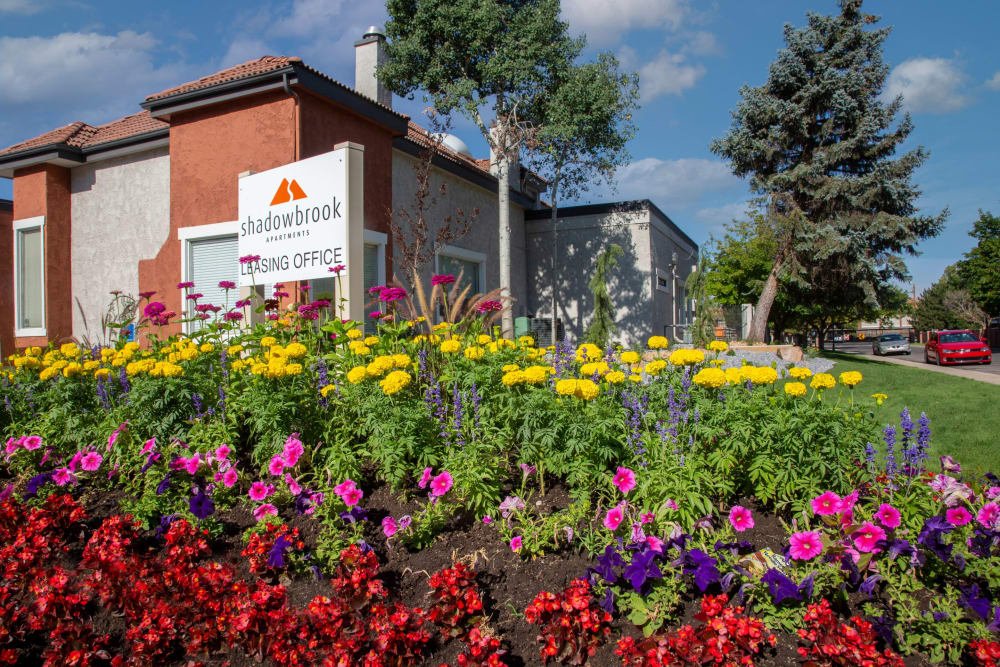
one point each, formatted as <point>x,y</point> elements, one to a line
<point>373,266</point>
<point>468,267</point>
<point>210,255</point>
<point>662,283</point>
<point>29,276</point>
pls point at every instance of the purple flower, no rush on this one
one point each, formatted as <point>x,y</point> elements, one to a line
<point>164,484</point>
<point>201,504</point>
<point>702,566</point>
<point>276,556</point>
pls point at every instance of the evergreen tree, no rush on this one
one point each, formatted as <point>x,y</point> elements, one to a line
<point>818,143</point>
<point>602,327</point>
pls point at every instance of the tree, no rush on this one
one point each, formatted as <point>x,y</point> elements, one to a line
<point>585,126</point>
<point>817,144</point>
<point>979,272</point>
<point>473,55</point>
<point>602,326</point>
<point>702,330</point>
<point>937,306</point>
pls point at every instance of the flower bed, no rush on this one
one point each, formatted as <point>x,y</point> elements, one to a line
<point>303,491</point>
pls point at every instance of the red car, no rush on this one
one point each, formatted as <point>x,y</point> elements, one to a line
<point>957,347</point>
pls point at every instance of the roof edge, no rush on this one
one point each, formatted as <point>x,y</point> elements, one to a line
<point>609,207</point>
<point>6,205</point>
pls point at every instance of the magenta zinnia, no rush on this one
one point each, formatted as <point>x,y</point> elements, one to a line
<point>442,279</point>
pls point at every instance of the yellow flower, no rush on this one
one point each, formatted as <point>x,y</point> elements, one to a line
<point>795,388</point>
<point>614,377</point>
<point>507,368</point>
<point>102,373</point>
<point>189,353</point>
<point>441,326</point>
<point>421,319</point>
<point>72,368</point>
<point>764,375</point>
<point>879,398</point>
<point>483,339</point>
<point>106,353</point>
<point>599,367</point>
<point>536,374</point>
<point>474,353</point>
<point>734,375</point>
<point>90,365</point>
<point>630,357</point>
<point>401,361</point>
<point>233,350</point>
<point>710,377</point>
<point>371,340</point>
<point>800,373</point>
<point>238,365</point>
<point>357,374</point>
<point>268,341</point>
<point>655,367</point>
<point>380,365</point>
<point>327,390</point>
<point>513,378</point>
<point>850,378</point>
<point>657,342</point>
<point>48,373</point>
<point>822,381</point>
<point>69,350</point>
<point>354,333</point>
<point>685,357</point>
<point>295,350</point>
<point>450,346</point>
<point>566,387</point>
<point>588,352</point>
<point>526,341</point>
<point>362,350</point>
<point>505,342</point>
<point>718,346</point>
<point>635,377</point>
<point>587,389</point>
<point>34,351</point>
<point>206,347</point>
<point>394,382</point>
<point>717,362</point>
<point>293,369</point>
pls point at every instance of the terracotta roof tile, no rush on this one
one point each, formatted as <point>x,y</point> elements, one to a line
<point>138,123</point>
<point>241,71</point>
<point>74,134</point>
<point>421,137</point>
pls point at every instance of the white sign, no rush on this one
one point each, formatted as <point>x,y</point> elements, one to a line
<point>294,218</point>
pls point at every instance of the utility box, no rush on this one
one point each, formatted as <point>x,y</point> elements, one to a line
<point>522,326</point>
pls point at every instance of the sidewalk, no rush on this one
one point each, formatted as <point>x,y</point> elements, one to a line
<point>958,371</point>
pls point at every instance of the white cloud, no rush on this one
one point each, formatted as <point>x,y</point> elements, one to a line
<point>674,183</point>
<point>604,22</point>
<point>703,43</point>
<point>668,74</point>
<point>719,216</point>
<point>22,6</point>
<point>993,83</point>
<point>928,84</point>
<point>308,17</point>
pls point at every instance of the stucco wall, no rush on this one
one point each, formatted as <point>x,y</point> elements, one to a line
<point>665,242</point>
<point>483,234</point>
<point>121,214</point>
<point>579,241</point>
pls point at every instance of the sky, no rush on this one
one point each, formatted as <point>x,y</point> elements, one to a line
<point>94,61</point>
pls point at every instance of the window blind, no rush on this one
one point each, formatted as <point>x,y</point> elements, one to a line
<point>210,262</point>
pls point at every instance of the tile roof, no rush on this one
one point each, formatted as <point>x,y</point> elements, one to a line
<point>81,135</point>
<point>73,134</point>
<point>241,71</point>
<point>421,136</point>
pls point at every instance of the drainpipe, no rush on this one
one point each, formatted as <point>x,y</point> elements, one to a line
<point>295,116</point>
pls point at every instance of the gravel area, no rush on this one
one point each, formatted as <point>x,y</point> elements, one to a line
<point>817,365</point>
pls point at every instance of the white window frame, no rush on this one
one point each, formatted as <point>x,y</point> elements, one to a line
<point>656,281</point>
<point>379,240</point>
<point>464,255</point>
<point>185,235</point>
<point>37,222</point>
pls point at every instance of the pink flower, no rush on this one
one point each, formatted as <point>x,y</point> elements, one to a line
<point>113,438</point>
<point>259,491</point>
<point>292,450</point>
<point>425,478</point>
<point>12,446</point>
<point>740,518</point>
<point>988,515</point>
<point>32,442</point>
<point>654,543</point>
<point>62,476</point>
<point>229,477</point>
<point>74,462</point>
<point>613,517</point>
<point>826,504</point>
<point>993,492</point>
<point>148,446</point>
<point>389,526</point>
<point>293,486</point>
<point>405,521</point>
<point>646,517</point>
<point>805,545</point>
<point>867,536</point>
<point>191,464</point>
<point>849,501</point>
<point>638,535</point>
<point>277,465</point>
<point>264,510</point>
<point>487,520</point>
<point>345,486</point>
<point>958,516</point>
<point>222,452</point>
<point>353,497</point>
<point>670,504</point>
<point>888,515</point>
<point>91,461</point>
<point>515,544</point>
<point>441,484</point>
<point>624,479</point>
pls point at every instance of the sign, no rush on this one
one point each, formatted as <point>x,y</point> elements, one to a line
<point>295,219</point>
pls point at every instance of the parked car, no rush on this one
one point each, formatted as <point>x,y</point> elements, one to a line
<point>890,343</point>
<point>957,347</point>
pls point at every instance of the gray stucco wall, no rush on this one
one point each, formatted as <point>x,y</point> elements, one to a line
<point>579,241</point>
<point>664,244</point>
<point>120,215</point>
<point>482,236</point>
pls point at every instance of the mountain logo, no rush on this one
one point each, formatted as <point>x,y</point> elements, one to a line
<point>288,192</point>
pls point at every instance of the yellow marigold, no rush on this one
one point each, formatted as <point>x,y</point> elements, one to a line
<point>526,341</point>
<point>441,326</point>
<point>657,342</point>
<point>327,390</point>
<point>276,367</point>
<point>268,341</point>
<point>474,353</point>
<point>635,377</point>
<point>102,373</point>
<point>48,373</point>
<point>734,375</point>
<point>137,367</point>
<point>362,350</point>
<point>655,367</point>
<point>718,346</point>
<point>295,350</point>
<point>586,389</point>
<point>421,319</point>
<point>434,338</point>
<point>401,361</point>
<point>233,350</point>
<point>35,351</point>
<point>206,347</point>
<point>166,369</point>
<point>800,373</point>
<point>60,364</point>
<point>239,365</point>
<point>566,387</point>
<point>106,353</point>
<point>850,378</point>
<point>614,377</point>
<point>686,357</point>
<point>764,375</point>
<point>599,367</point>
<point>132,346</point>
<point>513,378</point>
<point>630,357</point>
<point>507,368</point>
<point>189,353</point>
<point>394,382</point>
<point>879,398</point>
<point>69,350</point>
<point>717,362</point>
<point>72,368</point>
<point>258,368</point>
<point>588,352</point>
<point>380,365</point>
<point>710,377</point>
<point>357,374</point>
<point>536,374</point>
<point>795,388</point>
<point>505,343</point>
<point>371,340</point>
<point>822,381</point>
<point>450,346</point>
<point>484,339</point>
<point>90,365</point>
<point>293,369</point>
<point>354,334</point>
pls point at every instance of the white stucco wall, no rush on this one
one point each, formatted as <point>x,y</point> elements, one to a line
<point>120,215</point>
<point>664,243</point>
<point>483,234</point>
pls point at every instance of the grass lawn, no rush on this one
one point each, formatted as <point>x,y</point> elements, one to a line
<point>964,414</point>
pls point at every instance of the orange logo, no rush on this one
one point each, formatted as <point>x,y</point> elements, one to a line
<point>287,192</point>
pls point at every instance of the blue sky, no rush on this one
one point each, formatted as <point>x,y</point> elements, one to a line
<point>66,60</point>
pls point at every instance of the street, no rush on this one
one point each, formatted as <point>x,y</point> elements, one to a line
<point>915,358</point>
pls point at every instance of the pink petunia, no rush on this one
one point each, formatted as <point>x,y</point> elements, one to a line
<point>12,446</point>
<point>425,478</point>
<point>805,545</point>
<point>654,543</point>
<point>888,515</point>
<point>740,518</point>
<point>292,450</point>
<point>848,501</point>
<point>638,535</point>
<point>259,490</point>
<point>405,521</point>
<point>614,517</point>
<point>515,544</point>
<point>867,536</point>
<point>222,452</point>
<point>670,504</point>
<point>74,462</point>
<point>624,479</point>
<point>276,466</point>
<point>91,461</point>
<point>192,464</point>
<point>958,516</point>
<point>264,510</point>
<point>148,446</point>
<point>389,526</point>
<point>229,477</point>
<point>988,515</point>
<point>344,487</point>
<point>63,476</point>
<point>441,484</point>
<point>646,517</point>
<point>487,520</point>
<point>32,442</point>
<point>293,486</point>
<point>826,504</point>
<point>993,492</point>
<point>353,497</point>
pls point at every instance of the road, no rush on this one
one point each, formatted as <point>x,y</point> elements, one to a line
<point>990,373</point>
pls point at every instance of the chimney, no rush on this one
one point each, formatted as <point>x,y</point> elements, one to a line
<point>369,53</point>
<point>514,175</point>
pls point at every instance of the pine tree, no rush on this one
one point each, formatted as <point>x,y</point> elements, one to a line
<point>818,143</point>
<point>602,327</point>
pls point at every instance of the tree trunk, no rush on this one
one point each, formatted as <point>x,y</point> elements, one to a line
<point>503,201</point>
<point>758,326</point>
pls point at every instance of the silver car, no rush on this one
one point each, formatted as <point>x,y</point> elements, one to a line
<point>890,344</point>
